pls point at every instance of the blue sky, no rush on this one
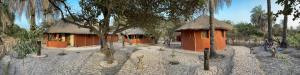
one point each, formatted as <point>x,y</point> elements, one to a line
<point>239,11</point>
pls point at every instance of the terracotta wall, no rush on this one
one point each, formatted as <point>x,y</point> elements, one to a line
<point>57,44</point>
<point>85,40</point>
<point>193,40</point>
<point>82,40</point>
<point>112,38</point>
<point>187,40</point>
<point>220,40</point>
<point>139,41</point>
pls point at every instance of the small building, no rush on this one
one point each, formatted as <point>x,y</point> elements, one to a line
<point>137,36</point>
<point>62,34</point>
<point>195,35</point>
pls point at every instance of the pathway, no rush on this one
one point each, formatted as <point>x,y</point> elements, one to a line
<point>245,63</point>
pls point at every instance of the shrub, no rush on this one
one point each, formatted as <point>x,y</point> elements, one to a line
<point>294,40</point>
<point>27,43</point>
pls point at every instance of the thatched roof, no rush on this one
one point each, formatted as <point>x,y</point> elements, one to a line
<point>63,27</point>
<point>134,31</point>
<point>203,23</point>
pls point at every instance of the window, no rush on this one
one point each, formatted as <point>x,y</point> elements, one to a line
<point>130,36</point>
<point>204,34</point>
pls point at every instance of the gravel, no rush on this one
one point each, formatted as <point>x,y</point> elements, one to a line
<point>86,62</point>
<point>157,62</point>
<point>154,61</point>
<point>245,63</point>
<point>283,64</point>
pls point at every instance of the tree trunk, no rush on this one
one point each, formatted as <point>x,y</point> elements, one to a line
<point>106,51</point>
<point>270,38</point>
<point>155,40</point>
<point>284,34</point>
<point>111,44</point>
<point>123,40</point>
<point>32,19</point>
<point>104,30</point>
<point>212,30</point>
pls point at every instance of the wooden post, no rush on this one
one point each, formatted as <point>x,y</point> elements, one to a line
<point>39,50</point>
<point>206,59</point>
<point>273,52</point>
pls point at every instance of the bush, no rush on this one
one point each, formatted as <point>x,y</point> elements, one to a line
<point>14,31</point>
<point>27,43</point>
<point>294,40</point>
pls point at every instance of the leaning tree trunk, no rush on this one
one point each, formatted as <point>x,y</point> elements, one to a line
<point>32,17</point>
<point>105,28</point>
<point>270,38</point>
<point>285,19</point>
<point>105,50</point>
<point>212,30</point>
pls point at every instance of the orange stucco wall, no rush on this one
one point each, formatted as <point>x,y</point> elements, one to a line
<point>193,40</point>
<point>80,40</point>
<point>146,40</point>
<point>112,38</point>
<point>85,40</point>
<point>187,40</point>
<point>57,44</point>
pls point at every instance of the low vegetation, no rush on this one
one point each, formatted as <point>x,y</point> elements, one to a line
<point>27,43</point>
<point>294,40</point>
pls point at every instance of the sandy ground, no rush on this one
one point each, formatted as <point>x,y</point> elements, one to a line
<point>157,62</point>
<point>154,60</point>
<point>285,62</point>
<point>82,62</point>
<point>245,63</point>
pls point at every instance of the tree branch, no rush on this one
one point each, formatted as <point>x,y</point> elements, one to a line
<point>73,17</point>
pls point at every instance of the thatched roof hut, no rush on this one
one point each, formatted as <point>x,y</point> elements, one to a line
<point>195,35</point>
<point>202,23</point>
<point>64,27</point>
<point>134,31</point>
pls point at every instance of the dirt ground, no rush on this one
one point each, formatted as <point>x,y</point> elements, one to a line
<point>153,60</point>
<point>286,62</point>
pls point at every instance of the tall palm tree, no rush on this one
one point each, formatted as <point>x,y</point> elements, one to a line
<point>213,5</point>
<point>6,17</point>
<point>32,8</point>
<point>259,18</point>
<point>270,38</point>
<point>283,43</point>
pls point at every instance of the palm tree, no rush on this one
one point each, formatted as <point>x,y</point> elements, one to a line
<point>32,8</point>
<point>6,17</point>
<point>259,18</point>
<point>270,38</point>
<point>213,5</point>
<point>283,43</point>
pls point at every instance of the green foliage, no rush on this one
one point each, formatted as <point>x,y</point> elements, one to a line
<point>294,40</point>
<point>246,30</point>
<point>27,43</point>
<point>283,58</point>
<point>259,18</point>
<point>277,30</point>
<point>14,31</point>
<point>291,7</point>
